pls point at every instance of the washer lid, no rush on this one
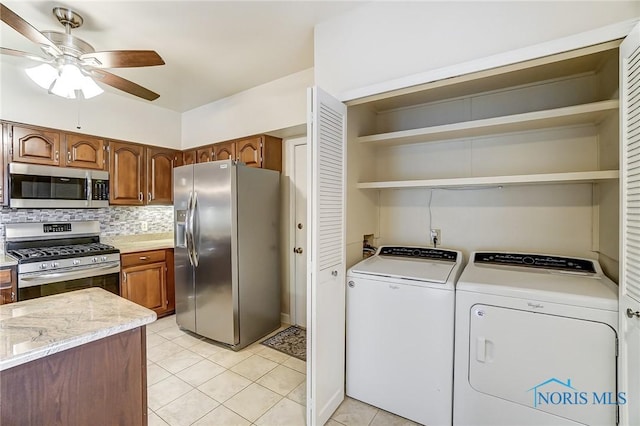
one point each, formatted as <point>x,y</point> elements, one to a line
<point>592,290</point>
<point>406,269</point>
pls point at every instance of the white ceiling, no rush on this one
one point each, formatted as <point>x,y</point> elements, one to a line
<point>212,49</point>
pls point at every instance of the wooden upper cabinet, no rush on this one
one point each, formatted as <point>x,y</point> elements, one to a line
<point>178,158</point>
<point>160,163</point>
<point>204,155</point>
<point>249,151</point>
<point>35,146</point>
<point>84,152</point>
<point>224,151</point>
<point>126,174</point>
<point>260,151</point>
<point>189,157</point>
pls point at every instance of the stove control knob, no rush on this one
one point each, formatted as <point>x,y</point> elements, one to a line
<point>104,258</point>
<point>76,261</point>
<point>54,264</point>
<point>94,260</point>
<point>43,266</point>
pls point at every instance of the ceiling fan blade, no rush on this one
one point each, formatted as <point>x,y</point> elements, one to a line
<point>122,58</point>
<point>124,85</point>
<point>25,28</point>
<point>5,51</point>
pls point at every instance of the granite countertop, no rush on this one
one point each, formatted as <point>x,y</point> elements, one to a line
<point>40,327</point>
<point>6,260</point>
<point>139,242</point>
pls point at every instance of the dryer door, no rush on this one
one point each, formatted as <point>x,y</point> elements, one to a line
<point>563,366</point>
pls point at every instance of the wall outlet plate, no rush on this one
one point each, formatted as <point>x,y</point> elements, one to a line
<point>144,225</point>
<point>435,236</point>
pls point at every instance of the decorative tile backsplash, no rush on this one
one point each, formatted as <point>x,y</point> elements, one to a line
<point>113,220</point>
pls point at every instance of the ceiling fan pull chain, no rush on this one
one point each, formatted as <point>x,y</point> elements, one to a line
<point>78,124</point>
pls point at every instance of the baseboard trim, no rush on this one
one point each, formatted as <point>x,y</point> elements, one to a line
<point>285,318</point>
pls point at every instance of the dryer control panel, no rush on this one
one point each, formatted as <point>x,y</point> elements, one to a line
<point>419,252</point>
<point>535,261</point>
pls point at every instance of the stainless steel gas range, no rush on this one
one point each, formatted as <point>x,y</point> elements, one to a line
<point>62,256</point>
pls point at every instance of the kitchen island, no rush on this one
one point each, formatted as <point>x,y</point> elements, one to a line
<point>74,358</point>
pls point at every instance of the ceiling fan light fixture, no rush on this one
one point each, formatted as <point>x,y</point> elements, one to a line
<point>43,75</point>
<point>90,88</point>
<point>68,82</point>
<point>63,90</point>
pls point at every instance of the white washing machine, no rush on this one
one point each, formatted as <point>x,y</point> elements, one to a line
<point>400,323</point>
<point>536,341</point>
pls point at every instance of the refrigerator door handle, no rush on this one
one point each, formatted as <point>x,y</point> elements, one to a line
<point>188,229</point>
<point>194,249</point>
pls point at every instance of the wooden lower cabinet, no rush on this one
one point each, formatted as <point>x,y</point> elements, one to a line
<point>99,383</point>
<point>8,285</point>
<point>147,279</point>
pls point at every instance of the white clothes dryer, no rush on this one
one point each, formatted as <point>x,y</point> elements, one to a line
<point>400,324</point>
<point>536,342</point>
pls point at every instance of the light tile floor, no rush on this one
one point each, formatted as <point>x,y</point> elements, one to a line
<point>193,381</point>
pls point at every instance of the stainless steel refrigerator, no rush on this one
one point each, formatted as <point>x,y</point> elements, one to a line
<point>227,268</point>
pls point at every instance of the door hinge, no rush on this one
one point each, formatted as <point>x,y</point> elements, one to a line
<point>617,414</point>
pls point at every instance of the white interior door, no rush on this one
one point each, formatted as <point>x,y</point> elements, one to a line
<point>629,298</point>
<point>326,266</point>
<point>300,233</point>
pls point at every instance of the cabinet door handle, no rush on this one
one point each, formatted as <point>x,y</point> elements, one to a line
<point>13,296</point>
<point>69,156</point>
<point>143,257</point>
<point>140,196</point>
<point>149,199</point>
<point>57,156</point>
<point>124,277</point>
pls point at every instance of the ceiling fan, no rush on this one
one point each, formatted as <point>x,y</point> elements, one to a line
<point>71,64</point>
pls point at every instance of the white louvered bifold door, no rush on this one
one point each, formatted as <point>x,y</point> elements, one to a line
<point>326,270</point>
<point>629,299</point>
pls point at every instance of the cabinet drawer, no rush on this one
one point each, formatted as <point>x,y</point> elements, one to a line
<point>142,257</point>
<point>5,276</point>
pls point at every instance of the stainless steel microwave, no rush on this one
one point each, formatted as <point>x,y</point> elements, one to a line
<point>35,186</point>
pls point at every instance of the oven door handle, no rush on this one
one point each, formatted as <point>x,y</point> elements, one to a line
<point>39,278</point>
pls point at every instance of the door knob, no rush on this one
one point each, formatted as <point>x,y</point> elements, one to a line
<point>298,250</point>
<point>631,313</point>
<point>299,226</point>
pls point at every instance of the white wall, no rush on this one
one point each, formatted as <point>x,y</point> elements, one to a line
<point>109,115</point>
<point>279,104</point>
<point>382,41</point>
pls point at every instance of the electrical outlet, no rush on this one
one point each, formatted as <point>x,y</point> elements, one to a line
<point>143,225</point>
<point>435,237</point>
